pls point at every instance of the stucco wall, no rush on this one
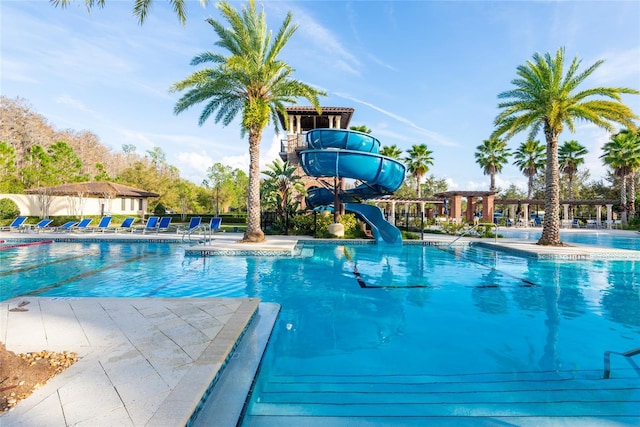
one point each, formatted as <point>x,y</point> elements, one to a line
<point>32,205</point>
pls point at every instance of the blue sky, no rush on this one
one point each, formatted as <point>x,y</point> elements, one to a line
<point>415,71</point>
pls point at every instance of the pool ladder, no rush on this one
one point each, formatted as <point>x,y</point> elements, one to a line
<point>475,227</point>
<point>627,355</point>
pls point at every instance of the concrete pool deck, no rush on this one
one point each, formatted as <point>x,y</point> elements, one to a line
<point>143,361</point>
<point>150,361</point>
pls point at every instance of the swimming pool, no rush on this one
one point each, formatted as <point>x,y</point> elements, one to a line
<point>393,336</point>
<point>607,238</point>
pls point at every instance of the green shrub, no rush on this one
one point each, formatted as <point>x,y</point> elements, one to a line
<point>302,224</point>
<point>159,209</point>
<point>8,209</point>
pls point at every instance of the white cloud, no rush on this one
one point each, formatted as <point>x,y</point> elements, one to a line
<point>430,134</point>
<point>618,67</point>
<point>193,165</point>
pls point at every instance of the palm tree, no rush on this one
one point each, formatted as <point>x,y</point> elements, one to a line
<point>570,156</point>
<point>361,128</point>
<point>529,158</point>
<point>418,161</point>
<point>282,182</point>
<point>492,155</point>
<point>250,81</point>
<point>622,154</point>
<point>140,8</point>
<point>545,99</point>
<point>391,151</point>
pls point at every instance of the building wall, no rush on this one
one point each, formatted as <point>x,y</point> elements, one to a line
<point>46,206</point>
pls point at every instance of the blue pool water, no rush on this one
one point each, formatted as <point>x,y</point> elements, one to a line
<point>615,239</point>
<point>392,336</point>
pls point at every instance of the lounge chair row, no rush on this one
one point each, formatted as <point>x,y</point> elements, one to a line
<point>153,224</point>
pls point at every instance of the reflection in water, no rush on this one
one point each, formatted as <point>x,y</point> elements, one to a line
<point>621,301</point>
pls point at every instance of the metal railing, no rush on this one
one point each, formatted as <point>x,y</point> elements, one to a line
<point>475,227</point>
<point>627,355</point>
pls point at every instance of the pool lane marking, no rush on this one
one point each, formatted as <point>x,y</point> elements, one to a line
<point>33,267</point>
<point>20,245</point>
<point>526,283</point>
<point>361,281</point>
<point>87,274</point>
<point>355,268</point>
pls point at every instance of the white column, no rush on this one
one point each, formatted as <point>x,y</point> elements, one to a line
<point>525,212</point>
<point>338,122</point>
<point>609,212</point>
<point>393,213</point>
<point>599,214</point>
<point>298,124</point>
<point>291,132</point>
<point>565,206</point>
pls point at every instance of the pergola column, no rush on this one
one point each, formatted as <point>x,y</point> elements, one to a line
<point>599,214</point>
<point>609,212</point>
<point>565,207</point>
<point>456,208</point>
<point>471,208</point>
<point>525,214</point>
<point>488,208</point>
<point>298,123</point>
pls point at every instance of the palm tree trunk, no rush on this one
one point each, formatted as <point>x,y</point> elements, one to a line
<point>623,198</point>
<point>570,196</point>
<point>632,194</point>
<point>530,187</point>
<point>254,233</point>
<point>551,226</point>
<point>492,187</point>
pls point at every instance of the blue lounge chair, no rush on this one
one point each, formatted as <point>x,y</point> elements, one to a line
<point>102,225</point>
<point>16,224</point>
<point>42,224</point>
<point>195,223</point>
<point>151,225</point>
<point>67,226</point>
<point>83,225</point>
<point>164,224</point>
<point>127,224</point>
<point>215,224</point>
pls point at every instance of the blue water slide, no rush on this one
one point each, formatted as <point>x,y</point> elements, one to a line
<point>380,227</point>
<point>322,139</point>
<point>355,155</point>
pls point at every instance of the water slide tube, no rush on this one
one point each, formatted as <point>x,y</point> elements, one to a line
<point>355,155</point>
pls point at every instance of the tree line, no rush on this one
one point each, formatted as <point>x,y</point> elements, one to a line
<point>33,154</point>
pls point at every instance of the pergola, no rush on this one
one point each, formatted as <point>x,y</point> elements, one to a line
<point>487,198</point>
<point>566,204</point>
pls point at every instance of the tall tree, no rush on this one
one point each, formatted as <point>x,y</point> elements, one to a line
<point>529,158</point>
<point>622,154</point>
<point>391,151</point>
<point>418,161</point>
<point>66,163</point>
<point>546,98</point>
<point>492,155</point>
<point>252,81</point>
<point>141,8</point>
<point>570,156</point>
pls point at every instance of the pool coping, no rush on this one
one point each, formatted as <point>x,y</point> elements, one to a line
<point>144,361</point>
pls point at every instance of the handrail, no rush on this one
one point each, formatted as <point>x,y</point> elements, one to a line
<point>475,227</point>
<point>626,354</point>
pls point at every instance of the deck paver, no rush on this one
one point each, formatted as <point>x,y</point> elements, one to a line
<point>143,362</point>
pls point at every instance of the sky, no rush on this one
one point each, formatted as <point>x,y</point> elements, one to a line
<point>416,72</point>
